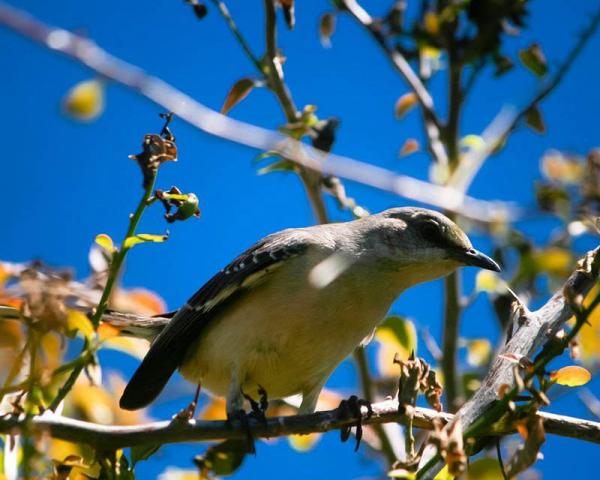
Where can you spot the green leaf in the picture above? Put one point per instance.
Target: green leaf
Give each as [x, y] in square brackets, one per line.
[534, 60]
[282, 165]
[238, 92]
[326, 29]
[223, 458]
[535, 120]
[144, 238]
[142, 452]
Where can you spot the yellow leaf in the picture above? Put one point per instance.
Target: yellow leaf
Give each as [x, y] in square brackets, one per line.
[554, 260]
[487, 281]
[395, 336]
[404, 104]
[474, 142]
[589, 337]
[238, 92]
[571, 376]
[432, 23]
[402, 474]
[105, 242]
[214, 410]
[478, 351]
[85, 101]
[135, 347]
[144, 238]
[79, 322]
[484, 469]
[304, 443]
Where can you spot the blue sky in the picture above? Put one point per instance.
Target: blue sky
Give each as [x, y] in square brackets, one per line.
[64, 182]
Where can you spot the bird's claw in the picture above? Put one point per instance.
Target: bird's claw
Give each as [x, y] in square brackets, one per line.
[259, 408]
[242, 417]
[351, 408]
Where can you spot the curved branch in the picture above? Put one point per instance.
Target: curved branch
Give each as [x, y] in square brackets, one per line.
[85, 51]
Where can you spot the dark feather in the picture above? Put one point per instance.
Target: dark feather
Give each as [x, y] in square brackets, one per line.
[169, 349]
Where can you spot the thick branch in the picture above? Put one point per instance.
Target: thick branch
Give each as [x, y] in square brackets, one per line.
[534, 330]
[115, 437]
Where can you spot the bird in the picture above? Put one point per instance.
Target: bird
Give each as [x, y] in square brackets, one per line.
[285, 313]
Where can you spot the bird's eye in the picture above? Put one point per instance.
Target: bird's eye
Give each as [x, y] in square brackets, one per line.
[431, 231]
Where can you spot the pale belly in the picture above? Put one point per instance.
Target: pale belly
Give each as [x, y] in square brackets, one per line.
[284, 345]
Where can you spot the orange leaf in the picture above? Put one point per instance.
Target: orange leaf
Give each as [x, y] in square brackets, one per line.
[404, 104]
[571, 376]
[410, 146]
[238, 92]
[106, 331]
[138, 300]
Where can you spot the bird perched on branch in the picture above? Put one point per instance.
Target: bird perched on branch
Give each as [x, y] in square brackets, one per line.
[287, 311]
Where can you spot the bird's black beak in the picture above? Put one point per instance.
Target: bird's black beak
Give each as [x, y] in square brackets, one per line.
[477, 259]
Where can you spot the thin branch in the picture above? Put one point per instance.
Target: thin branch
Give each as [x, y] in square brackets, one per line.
[165, 432]
[366, 384]
[224, 11]
[432, 123]
[472, 163]
[452, 311]
[189, 110]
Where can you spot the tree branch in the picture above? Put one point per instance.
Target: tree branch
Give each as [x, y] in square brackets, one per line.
[198, 115]
[164, 432]
[533, 330]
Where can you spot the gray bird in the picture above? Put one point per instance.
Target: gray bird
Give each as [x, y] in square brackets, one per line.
[288, 310]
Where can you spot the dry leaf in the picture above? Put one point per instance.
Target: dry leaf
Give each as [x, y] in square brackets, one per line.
[238, 92]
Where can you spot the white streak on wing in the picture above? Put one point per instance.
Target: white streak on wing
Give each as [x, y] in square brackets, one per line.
[249, 281]
[329, 269]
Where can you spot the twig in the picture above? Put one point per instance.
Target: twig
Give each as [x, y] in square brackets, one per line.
[366, 384]
[311, 178]
[116, 437]
[87, 353]
[433, 125]
[189, 110]
[224, 11]
[452, 311]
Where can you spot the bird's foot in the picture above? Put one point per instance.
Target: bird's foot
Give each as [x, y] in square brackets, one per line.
[259, 408]
[186, 413]
[351, 408]
[243, 418]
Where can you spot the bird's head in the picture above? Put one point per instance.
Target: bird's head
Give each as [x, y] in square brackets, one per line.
[422, 244]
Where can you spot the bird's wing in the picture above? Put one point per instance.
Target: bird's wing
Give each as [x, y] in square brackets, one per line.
[170, 347]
